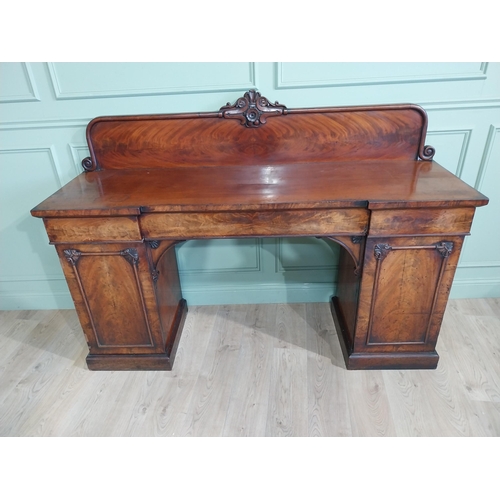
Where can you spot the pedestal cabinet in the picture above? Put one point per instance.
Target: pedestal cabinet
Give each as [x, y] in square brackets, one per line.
[127, 305]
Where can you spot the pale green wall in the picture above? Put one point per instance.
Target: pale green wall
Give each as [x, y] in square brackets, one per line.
[44, 109]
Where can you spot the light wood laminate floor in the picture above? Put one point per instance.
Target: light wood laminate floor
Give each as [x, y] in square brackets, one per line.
[249, 370]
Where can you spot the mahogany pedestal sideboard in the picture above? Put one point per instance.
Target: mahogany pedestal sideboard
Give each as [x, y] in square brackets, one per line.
[360, 176]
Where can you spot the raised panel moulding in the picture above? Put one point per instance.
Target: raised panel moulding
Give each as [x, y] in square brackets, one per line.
[493, 134]
[279, 258]
[34, 124]
[479, 73]
[27, 173]
[255, 266]
[490, 142]
[50, 151]
[32, 92]
[466, 133]
[78, 152]
[486, 103]
[63, 90]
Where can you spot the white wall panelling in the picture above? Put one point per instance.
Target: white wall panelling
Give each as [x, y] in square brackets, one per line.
[78, 153]
[30, 272]
[480, 262]
[17, 83]
[305, 254]
[434, 85]
[451, 148]
[308, 75]
[219, 256]
[45, 107]
[90, 80]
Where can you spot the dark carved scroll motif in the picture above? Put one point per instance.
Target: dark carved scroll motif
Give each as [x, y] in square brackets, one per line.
[445, 248]
[72, 255]
[252, 109]
[88, 164]
[131, 255]
[427, 153]
[381, 250]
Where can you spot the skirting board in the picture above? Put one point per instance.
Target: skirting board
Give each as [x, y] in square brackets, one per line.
[239, 294]
[475, 289]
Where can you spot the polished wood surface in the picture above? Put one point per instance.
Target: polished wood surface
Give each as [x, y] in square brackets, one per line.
[88, 229]
[249, 370]
[370, 184]
[362, 177]
[239, 223]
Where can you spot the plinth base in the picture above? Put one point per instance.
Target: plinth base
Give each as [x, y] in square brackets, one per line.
[381, 360]
[132, 362]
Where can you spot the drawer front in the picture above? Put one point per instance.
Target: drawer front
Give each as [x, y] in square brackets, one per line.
[92, 229]
[421, 221]
[245, 223]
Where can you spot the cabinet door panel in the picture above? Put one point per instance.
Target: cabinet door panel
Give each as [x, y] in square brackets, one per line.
[407, 282]
[113, 293]
[402, 305]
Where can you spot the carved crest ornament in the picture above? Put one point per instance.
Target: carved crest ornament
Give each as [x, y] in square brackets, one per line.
[252, 109]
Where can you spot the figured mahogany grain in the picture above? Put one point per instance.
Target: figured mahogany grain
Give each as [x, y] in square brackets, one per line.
[114, 297]
[392, 132]
[89, 229]
[256, 223]
[421, 221]
[403, 294]
[169, 296]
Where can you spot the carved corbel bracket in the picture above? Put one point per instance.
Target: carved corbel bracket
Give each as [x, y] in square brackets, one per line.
[381, 250]
[445, 248]
[131, 254]
[354, 247]
[72, 255]
[252, 109]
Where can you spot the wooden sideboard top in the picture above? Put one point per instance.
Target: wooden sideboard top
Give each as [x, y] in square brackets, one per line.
[370, 184]
[256, 155]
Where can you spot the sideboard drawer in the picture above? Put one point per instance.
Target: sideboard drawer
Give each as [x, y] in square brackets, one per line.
[92, 229]
[421, 221]
[259, 223]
